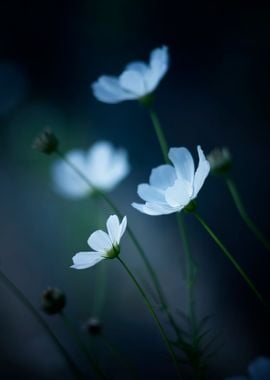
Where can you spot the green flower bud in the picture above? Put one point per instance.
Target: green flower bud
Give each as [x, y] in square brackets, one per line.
[94, 326]
[53, 301]
[220, 160]
[46, 142]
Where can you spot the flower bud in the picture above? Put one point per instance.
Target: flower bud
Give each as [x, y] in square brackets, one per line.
[46, 142]
[53, 301]
[220, 160]
[94, 326]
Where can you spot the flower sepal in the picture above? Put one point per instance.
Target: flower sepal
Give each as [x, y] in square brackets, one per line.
[191, 206]
[147, 100]
[113, 252]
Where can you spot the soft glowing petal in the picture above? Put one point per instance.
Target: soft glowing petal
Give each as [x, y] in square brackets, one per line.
[100, 241]
[132, 81]
[138, 66]
[84, 260]
[183, 163]
[260, 369]
[122, 228]
[108, 90]
[150, 194]
[153, 208]
[159, 63]
[113, 228]
[179, 194]
[162, 177]
[106, 165]
[66, 180]
[201, 172]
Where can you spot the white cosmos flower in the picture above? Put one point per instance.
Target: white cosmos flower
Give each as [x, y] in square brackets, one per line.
[172, 188]
[105, 245]
[102, 164]
[137, 80]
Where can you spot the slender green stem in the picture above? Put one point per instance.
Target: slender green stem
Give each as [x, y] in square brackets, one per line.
[236, 265]
[28, 305]
[160, 135]
[82, 346]
[154, 315]
[190, 277]
[190, 266]
[135, 241]
[244, 215]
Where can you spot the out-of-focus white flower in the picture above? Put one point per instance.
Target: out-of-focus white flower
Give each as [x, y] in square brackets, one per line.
[259, 369]
[137, 80]
[102, 164]
[105, 245]
[172, 188]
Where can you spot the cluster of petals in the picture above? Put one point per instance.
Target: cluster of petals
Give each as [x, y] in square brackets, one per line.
[102, 164]
[173, 187]
[106, 245]
[137, 80]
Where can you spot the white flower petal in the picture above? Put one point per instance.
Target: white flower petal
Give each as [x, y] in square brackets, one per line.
[108, 90]
[100, 241]
[201, 172]
[141, 67]
[132, 81]
[183, 163]
[162, 177]
[150, 194]
[106, 166]
[113, 228]
[66, 180]
[153, 208]
[122, 228]
[159, 63]
[179, 195]
[84, 260]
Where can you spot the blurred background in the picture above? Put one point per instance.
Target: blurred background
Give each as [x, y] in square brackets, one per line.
[216, 93]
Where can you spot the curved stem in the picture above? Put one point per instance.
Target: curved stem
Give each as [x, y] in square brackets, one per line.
[190, 266]
[153, 314]
[160, 135]
[82, 346]
[234, 262]
[28, 305]
[135, 241]
[244, 215]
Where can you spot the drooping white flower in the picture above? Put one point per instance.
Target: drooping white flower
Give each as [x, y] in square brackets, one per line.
[105, 245]
[259, 369]
[172, 188]
[137, 80]
[102, 164]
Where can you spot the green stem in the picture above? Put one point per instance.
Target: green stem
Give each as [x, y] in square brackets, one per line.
[236, 265]
[135, 241]
[190, 267]
[154, 315]
[77, 373]
[160, 135]
[244, 215]
[190, 277]
[82, 346]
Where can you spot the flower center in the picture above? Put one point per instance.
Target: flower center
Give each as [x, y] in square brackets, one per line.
[113, 252]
